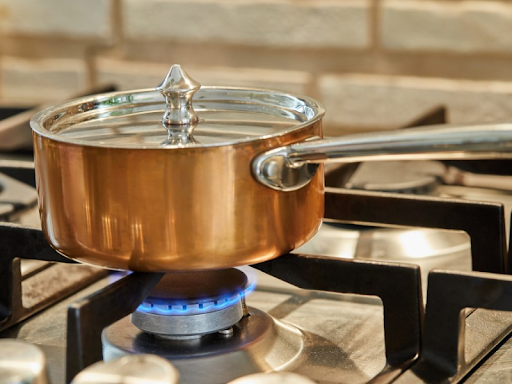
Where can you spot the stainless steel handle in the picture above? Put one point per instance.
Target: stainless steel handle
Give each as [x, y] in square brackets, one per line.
[291, 167]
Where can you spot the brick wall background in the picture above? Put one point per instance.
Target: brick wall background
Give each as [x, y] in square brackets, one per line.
[375, 64]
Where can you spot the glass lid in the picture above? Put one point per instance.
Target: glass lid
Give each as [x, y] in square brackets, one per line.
[165, 117]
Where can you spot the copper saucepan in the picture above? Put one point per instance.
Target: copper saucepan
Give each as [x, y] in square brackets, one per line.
[118, 190]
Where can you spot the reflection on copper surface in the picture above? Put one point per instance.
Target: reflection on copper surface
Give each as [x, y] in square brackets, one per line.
[107, 230]
[164, 209]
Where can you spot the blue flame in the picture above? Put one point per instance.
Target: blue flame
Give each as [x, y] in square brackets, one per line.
[162, 309]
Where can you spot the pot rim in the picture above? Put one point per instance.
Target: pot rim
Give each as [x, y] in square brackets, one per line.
[42, 121]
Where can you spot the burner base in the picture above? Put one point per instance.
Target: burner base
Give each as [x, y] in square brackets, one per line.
[259, 343]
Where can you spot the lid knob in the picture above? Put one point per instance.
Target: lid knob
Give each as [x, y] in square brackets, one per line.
[178, 89]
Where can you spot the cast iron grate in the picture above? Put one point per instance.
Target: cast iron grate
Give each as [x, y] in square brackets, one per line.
[397, 285]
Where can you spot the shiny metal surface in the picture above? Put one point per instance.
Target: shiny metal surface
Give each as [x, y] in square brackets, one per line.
[349, 329]
[338, 326]
[431, 178]
[132, 119]
[116, 191]
[273, 378]
[192, 304]
[15, 134]
[396, 244]
[273, 169]
[188, 325]
[258, 343]
[319, 336]
[428, 248]
[133, 369]
[168, 210]
[21, 363]
[284, 168]
[178, 89]
[408, 177]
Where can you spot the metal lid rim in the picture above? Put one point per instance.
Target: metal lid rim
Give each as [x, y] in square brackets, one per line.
[45, 114]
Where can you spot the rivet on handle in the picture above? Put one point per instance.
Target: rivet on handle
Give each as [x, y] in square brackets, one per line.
[178, 89]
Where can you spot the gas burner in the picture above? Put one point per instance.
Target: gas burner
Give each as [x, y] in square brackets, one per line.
[199, 319]
[430, 178]
[397, 244]
[187, 305]
[413, 177]
[259, 343]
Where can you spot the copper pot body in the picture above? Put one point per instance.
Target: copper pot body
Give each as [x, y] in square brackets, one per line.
[171, 209]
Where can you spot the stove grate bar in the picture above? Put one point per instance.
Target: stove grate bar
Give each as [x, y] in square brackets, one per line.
[21, 296]
[483, 222]
[20, 170]
[455, 342]
[89, 316]
[398, 286]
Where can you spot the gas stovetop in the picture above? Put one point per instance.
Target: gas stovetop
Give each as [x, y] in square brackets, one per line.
[348, 307]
